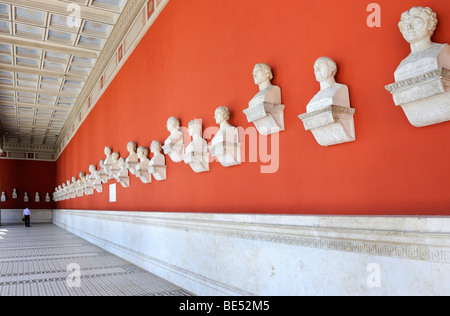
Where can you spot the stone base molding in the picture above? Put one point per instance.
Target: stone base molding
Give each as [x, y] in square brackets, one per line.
[230, 254]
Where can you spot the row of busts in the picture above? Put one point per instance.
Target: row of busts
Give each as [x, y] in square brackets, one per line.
[225, 146]
[14, 195]
[422, 89]
[329, 115]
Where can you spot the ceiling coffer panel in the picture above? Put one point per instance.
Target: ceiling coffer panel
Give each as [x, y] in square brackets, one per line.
[46, 58]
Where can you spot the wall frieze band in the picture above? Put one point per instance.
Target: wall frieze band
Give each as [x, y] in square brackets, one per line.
[431, 247]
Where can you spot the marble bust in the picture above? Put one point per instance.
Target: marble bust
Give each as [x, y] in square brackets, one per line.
[265, 110]
[25, 198]
[47, 197]
[174, 144]
[142, 168]
[108, 160]
[329, 115]
[95, 179]
[82, 184]
[421, 80]
[79, 188]
[196, 154]
[102, 173]
[225, 145]
[3, 198]
[122, 175]
[72, 188]
[14, 194]
[37, 198]
[114, 171]
[64, 192]
[132, 161]
[157, 165]
[87, 184]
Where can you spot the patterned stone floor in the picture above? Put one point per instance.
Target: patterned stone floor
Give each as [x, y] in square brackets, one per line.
[45, 260]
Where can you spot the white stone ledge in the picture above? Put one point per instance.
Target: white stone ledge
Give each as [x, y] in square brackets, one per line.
[214, 254]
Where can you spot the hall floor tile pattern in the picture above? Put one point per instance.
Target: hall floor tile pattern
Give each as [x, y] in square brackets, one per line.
[34, 262]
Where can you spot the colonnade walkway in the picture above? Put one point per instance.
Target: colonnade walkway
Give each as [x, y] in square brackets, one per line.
[45, 260]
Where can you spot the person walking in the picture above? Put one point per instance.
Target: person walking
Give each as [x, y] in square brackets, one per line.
[27, 216]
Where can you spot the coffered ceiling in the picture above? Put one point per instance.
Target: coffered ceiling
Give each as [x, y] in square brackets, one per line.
[48, 49]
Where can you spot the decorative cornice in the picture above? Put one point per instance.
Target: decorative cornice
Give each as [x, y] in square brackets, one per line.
[441, 73]
[422, 246]
[332, 108]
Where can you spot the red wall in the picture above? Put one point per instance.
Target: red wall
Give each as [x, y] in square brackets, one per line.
[200, 54]
[27, 176]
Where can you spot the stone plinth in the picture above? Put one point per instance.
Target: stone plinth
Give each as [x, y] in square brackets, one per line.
[268, 118]
[425, 99]
[331, 125]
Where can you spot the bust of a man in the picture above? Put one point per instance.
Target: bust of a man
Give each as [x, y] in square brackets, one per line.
[132, 159]
[158, 158]
[174, 144]
[142, 168]
[95, 178]
[103, 171]
[329, 115]
[158, 162]
[114, 165]
[196, 154]
[417, 27]
[108, 160]
[331, 92]
[265, 109]
[122, 176]
[268, 93]
[225, 145]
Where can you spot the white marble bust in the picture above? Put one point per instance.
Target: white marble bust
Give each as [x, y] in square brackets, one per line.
[47, 197]
[103, 172]
[87, 184]
[329, 116]
[82, 184]
[268, 93]
[417, 27]
[421, 80]
[72, 188]
[132, 160]
[14, 194]
[196, 154]
[157, 165]
[64, 194]
[331, 92]
[26, 198]
[37, 198]
[142, 171]
[114, 165]
[174, 144]
[122, 176]
[108, 160]
[95, 178]
[265, 109]
[3, 198]
[225, 145]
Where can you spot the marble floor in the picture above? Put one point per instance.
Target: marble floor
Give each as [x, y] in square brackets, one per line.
[45, 260]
